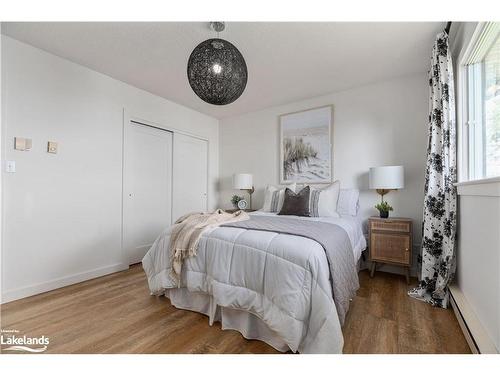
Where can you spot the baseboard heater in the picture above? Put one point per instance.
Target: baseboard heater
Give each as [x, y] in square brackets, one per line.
[475, 335]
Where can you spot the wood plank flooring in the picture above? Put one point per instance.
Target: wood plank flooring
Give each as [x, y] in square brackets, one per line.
[383, 319]
[116, 314]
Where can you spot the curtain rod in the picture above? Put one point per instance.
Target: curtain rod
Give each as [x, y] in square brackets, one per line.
[447, 28]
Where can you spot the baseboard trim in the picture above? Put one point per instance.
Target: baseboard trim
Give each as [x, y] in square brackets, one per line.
[463, 326]
[474, 332]
[31, 290]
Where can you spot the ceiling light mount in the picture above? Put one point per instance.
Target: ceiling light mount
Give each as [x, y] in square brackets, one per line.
[217, 26]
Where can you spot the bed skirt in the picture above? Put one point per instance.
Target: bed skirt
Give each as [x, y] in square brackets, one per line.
[249, 325]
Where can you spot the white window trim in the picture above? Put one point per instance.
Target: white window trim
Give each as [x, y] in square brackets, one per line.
[462, 107]
[486, 187]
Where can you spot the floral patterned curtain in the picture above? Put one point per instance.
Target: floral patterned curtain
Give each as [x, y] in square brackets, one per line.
[440, 202]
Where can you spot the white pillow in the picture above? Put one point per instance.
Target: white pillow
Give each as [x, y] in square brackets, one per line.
[348, 202]
[274, 197]
[323, 202]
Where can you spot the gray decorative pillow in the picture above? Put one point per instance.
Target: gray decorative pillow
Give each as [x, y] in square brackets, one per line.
[296, 203]
[274, 196]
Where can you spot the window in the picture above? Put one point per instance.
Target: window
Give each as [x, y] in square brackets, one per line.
[483, 104]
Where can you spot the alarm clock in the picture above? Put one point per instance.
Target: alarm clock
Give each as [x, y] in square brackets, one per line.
[242, 204]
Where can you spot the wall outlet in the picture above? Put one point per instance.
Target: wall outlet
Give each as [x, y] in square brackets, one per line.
[10, 166]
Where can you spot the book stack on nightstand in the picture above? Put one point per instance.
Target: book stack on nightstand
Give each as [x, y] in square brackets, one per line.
[390, 242]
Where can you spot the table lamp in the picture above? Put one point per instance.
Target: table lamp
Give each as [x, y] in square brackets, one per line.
[385, 179]
[244, 181]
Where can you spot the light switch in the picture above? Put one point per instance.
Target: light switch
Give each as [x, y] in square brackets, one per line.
[52, 147]
[19, 144]
[10, 166]
[22, 144]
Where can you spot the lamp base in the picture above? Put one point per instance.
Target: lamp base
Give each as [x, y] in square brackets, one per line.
[250, 192]
[382, 192]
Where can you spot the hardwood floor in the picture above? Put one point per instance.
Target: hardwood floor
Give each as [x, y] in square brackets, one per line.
[383, 319]
[116, 314]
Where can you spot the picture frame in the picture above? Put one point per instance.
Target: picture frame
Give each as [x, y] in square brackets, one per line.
[306, 146]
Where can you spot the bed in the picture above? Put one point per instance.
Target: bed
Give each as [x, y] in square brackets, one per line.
[271, 286]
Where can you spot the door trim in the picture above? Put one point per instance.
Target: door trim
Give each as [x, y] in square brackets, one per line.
[127, 117]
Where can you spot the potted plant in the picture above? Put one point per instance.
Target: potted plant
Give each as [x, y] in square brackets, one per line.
[384, 208]
[235, 199]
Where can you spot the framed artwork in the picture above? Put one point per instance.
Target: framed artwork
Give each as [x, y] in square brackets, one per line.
[306, 146]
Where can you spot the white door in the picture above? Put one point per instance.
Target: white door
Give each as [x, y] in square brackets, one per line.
[147, 188]
[190, 175]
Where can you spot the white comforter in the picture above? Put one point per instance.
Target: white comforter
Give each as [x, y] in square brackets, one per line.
[281, 279]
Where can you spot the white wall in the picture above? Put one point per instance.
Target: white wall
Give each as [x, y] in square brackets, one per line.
[477, 279]
[379, 124]
[478, 259]
[62, 213]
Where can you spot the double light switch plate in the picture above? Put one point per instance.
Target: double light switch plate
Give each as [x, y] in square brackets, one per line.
[22, 144]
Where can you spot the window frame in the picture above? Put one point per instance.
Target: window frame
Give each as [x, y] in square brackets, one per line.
[468, 163]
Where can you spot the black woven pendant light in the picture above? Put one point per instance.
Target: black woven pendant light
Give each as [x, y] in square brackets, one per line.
[216, 70]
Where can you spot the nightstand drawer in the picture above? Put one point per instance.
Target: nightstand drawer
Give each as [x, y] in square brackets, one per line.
[391, 248]
[390, 225]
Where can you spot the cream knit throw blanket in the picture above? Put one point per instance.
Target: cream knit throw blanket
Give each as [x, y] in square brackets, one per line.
[187, 231]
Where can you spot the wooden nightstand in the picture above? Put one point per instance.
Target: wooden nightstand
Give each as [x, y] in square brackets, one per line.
[390, 241]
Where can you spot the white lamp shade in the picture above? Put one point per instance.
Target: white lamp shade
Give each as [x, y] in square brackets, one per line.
[391, 177]
[242, 181]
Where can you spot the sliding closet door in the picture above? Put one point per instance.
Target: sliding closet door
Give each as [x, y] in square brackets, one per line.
[147, 188]
[190, 175]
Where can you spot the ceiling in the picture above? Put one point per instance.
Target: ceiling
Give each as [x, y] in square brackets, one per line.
[287, 61]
